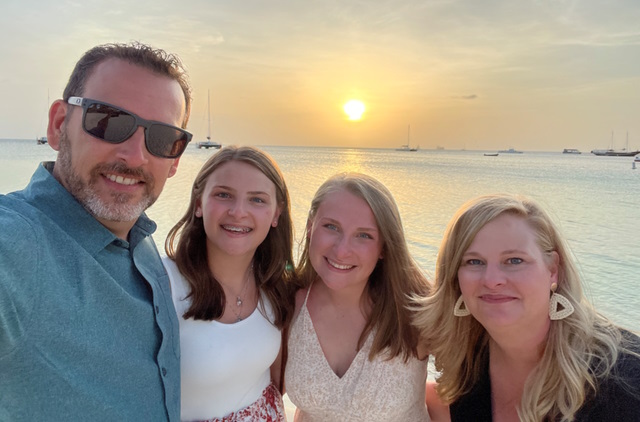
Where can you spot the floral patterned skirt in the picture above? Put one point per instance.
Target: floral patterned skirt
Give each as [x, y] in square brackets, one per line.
[268, 408]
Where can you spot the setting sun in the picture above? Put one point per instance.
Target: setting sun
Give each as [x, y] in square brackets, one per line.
[354, 109]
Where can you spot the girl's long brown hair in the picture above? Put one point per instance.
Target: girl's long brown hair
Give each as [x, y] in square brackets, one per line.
[186, 244]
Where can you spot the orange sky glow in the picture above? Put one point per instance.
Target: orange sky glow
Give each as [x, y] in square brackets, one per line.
[534, 75]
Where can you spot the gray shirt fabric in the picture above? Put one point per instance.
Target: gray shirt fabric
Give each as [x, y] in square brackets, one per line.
[87, 326]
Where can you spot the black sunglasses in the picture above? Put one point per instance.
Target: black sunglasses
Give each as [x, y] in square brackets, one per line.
[115, 125]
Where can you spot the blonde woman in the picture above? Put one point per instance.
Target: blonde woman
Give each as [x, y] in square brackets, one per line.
[516, 338]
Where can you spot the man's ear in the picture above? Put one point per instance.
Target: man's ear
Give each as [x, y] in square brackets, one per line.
[174, 167]
[57, 116]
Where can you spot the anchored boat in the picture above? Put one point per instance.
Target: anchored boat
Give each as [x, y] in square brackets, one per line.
[209, 143]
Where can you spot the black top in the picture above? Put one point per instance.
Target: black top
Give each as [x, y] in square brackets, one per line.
[617, 397]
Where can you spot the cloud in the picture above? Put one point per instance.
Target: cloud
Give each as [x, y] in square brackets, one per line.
[465, 97]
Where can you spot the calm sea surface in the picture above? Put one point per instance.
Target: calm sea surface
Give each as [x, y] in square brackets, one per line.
[596, 200]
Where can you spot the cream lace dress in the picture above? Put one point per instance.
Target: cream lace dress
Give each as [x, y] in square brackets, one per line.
[379, 390]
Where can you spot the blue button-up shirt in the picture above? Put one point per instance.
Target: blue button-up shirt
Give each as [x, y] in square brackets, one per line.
[87, 325]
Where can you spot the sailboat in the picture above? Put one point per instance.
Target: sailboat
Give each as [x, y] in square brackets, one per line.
[41, 140]
[624, 152]
[209, 143]
[407, 147]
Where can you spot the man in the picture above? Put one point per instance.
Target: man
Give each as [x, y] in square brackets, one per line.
[87, 326]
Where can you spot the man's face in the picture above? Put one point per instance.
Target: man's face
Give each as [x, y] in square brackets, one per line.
[117, 182]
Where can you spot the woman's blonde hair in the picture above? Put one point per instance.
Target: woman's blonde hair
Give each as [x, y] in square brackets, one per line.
[580, 349]
[394, 278]
[186, 244]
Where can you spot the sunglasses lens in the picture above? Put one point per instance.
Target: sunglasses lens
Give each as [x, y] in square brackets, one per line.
[108, 123]
[166, 141]
[115, 126]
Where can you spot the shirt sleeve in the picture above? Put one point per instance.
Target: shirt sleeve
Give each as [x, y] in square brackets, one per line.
[618, 396]
[625, 397]
[18, 278]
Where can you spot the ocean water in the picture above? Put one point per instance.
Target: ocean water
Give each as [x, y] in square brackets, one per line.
[595, 200]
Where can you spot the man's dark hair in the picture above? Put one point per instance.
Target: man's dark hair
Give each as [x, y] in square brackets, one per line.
[154, 59]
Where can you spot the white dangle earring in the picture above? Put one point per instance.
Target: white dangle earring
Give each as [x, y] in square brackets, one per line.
[555, 302]
[460, 310]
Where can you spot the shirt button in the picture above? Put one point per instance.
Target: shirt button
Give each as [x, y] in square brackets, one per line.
[164, 372]
[157, 309]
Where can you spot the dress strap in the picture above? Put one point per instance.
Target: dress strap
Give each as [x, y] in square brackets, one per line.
[307, 295]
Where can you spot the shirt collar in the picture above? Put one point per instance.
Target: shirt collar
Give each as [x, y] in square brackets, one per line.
[55, 201]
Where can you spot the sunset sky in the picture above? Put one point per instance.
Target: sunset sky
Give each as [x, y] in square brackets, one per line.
[476, 74]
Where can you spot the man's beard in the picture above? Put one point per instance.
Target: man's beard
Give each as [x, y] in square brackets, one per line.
[121, 206]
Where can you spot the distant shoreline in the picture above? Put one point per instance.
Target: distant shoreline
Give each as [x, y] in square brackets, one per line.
[425, 150]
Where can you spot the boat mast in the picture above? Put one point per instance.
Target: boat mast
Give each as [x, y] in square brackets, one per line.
[209, 114]
[611, 143]
[409, 135]
[627, 146]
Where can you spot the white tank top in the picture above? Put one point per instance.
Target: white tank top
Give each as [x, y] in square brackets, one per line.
[223, 367]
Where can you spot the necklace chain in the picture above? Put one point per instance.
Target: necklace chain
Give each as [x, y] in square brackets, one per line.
[237, 311]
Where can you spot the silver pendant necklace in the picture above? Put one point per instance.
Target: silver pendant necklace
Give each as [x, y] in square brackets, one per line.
[239, 298]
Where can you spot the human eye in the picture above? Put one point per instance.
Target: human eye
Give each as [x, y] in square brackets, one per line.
[258, 200]
[330, 226]
[364, 236]
[222, 195]
[473, 262]
[514, 261]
